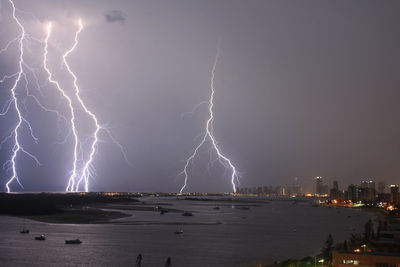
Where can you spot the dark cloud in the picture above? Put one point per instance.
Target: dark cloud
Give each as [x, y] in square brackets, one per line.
[115, 16]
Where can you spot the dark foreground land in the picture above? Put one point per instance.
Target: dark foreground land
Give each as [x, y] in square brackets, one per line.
[78, 208]
[63, 208]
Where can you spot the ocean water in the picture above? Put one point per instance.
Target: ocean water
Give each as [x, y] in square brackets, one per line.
[231, 236]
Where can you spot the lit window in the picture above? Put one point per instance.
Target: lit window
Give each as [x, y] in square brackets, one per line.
[353, 262]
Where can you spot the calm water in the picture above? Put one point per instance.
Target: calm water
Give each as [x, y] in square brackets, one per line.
[266, 232]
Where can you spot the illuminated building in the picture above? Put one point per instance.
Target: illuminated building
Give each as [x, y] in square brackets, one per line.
[352, 193]
[296, 188]
[335, 193]
[394, 194]
[320, 188]
[365, 259]
[317, 185]
[367, 191]
[383, 251]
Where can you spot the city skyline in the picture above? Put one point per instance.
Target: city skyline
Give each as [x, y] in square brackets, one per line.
[315, 186]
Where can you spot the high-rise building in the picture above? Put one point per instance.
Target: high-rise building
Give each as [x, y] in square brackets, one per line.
[368, 184]
[318, 185]
[381, 187]
[367, 191]
[336, 185]
[335, 193]
[352, 193]
[281, 190]
[394, 194]
[296, 189]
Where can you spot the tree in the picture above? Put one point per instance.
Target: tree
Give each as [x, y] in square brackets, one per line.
[355, 240]
[327, 250]
[368, 231]
[385, 226]
[380, 227]
[345, 247]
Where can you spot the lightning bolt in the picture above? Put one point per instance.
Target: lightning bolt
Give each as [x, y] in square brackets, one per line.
[70, 105]
[87, 170]
[11, 163]
[83, 174]
[224, 160]
[82, 165]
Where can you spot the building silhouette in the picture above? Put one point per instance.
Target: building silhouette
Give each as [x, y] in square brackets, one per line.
[394, 194]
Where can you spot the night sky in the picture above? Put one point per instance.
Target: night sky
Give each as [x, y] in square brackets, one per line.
[303, 88]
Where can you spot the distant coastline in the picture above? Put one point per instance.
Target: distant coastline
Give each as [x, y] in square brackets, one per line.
[62, 208]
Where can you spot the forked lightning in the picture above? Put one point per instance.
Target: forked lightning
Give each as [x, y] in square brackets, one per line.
[225, 161]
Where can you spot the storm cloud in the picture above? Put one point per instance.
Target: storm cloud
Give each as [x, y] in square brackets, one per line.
[115, 16]
[302, 88]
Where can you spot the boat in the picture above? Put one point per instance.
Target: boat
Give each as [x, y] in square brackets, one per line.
[41, 237]
[216, 208]
[180, 231]
[73, 241]
[24, 231]
[187, 214]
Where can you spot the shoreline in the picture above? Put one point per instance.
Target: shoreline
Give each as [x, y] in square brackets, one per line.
[85, 215]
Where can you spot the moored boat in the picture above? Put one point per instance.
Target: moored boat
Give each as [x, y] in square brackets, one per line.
[24, 229]
[180, 231]
[41, 237]
[73, 241]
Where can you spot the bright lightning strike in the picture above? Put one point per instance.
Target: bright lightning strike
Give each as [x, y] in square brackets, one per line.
[70, 105]
[82, 169]
[79, 174]
[209, 134]
[86, 172]
[11, 163]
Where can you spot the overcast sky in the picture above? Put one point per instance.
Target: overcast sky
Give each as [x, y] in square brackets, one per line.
[303, 88]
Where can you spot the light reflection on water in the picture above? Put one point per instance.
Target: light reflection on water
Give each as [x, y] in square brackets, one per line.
[266, 232]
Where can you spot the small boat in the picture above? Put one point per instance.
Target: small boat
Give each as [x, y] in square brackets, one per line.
[41, 237]
[24, 231]
[180, 231]
[188, 214]
[216, 208]
[73, 241]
